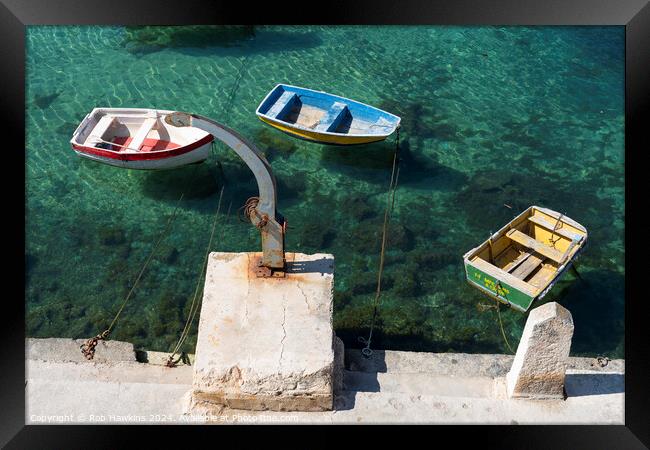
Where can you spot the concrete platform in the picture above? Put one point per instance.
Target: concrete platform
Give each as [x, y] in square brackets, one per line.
[391, 387]
[265, 343]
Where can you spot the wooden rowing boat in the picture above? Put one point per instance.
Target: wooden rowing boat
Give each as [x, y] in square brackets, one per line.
[324, 118]
[523, 260]
[135, 138]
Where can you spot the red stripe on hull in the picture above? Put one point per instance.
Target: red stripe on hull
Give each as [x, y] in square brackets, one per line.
[145, 155]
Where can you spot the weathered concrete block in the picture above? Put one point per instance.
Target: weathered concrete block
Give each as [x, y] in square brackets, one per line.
[266, 343]
[62, 349]
[540, 363]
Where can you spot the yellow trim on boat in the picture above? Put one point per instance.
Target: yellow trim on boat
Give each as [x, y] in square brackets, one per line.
[324, 138]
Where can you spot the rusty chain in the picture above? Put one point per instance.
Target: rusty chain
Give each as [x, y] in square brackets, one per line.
[88, 348]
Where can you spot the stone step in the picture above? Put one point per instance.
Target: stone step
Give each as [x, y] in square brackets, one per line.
[450, 364]
[108, 372]
[80, 402]
[423, 384]
[379, 407]
[435, 364]
[61, 349]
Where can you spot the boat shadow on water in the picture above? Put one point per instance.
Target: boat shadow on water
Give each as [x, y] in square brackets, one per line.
[194, 182]
[230, 40]
[376, 160]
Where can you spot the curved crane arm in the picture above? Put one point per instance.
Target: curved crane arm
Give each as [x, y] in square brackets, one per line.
[263, 214]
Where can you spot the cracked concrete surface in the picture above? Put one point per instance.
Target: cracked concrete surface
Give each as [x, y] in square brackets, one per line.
[277, 332]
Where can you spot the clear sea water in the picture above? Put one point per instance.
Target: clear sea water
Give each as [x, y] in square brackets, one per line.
[492, 116]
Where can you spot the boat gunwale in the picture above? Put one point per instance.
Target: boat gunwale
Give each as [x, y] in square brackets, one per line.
[300, 127]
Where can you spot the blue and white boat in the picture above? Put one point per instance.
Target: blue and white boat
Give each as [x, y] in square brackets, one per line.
[325, 118]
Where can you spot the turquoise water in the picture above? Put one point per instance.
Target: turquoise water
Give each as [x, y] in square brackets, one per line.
[491, 117]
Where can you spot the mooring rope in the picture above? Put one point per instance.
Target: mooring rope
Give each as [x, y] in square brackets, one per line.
[235, 88]
[392, 187]
[194, 307]
[498, 308]
[556, 227]
[228, 106]
[88, 348]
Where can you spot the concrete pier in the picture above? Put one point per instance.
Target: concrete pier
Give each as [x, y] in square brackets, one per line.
[265, 343]
[538, 370]
[390, 387]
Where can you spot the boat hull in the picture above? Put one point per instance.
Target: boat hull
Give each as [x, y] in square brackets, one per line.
[321, 138]
[502, 291]
[196, 155]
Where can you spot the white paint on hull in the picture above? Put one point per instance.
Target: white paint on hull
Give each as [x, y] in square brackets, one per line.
[195, 156]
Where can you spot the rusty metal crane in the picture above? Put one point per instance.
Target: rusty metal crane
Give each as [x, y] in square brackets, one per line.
[260, 210]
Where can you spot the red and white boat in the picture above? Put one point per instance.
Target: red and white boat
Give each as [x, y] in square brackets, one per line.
[136, 138]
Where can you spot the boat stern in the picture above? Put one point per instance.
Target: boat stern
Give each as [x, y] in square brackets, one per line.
[496, 289]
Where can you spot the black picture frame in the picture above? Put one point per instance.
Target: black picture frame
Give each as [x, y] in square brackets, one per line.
[15, 15]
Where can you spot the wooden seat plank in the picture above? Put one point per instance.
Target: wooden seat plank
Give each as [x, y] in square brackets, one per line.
[521, 258]
[100, 129]
[550, 227]
[526, 268]
[141, 135]
[534, 245]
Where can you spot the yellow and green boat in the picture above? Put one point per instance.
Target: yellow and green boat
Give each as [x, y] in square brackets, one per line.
[523, 260]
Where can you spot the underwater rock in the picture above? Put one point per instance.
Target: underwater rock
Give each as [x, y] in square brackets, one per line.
[434, 258]
[52, 287]
[354, 321]
[129, 330]
[43, 101]
[342, 299]
[400, 236]
[359, 264]
[357, 208]
[114, 269]
[395, 258]
[31, 260]
[398, 320]
[314, 234]
[490, 181]
[171, 255]
[406, 283]
[291, 187]
[112, 236]
[34, 322]
[274, 144]
[365, 240]
[366, 283]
